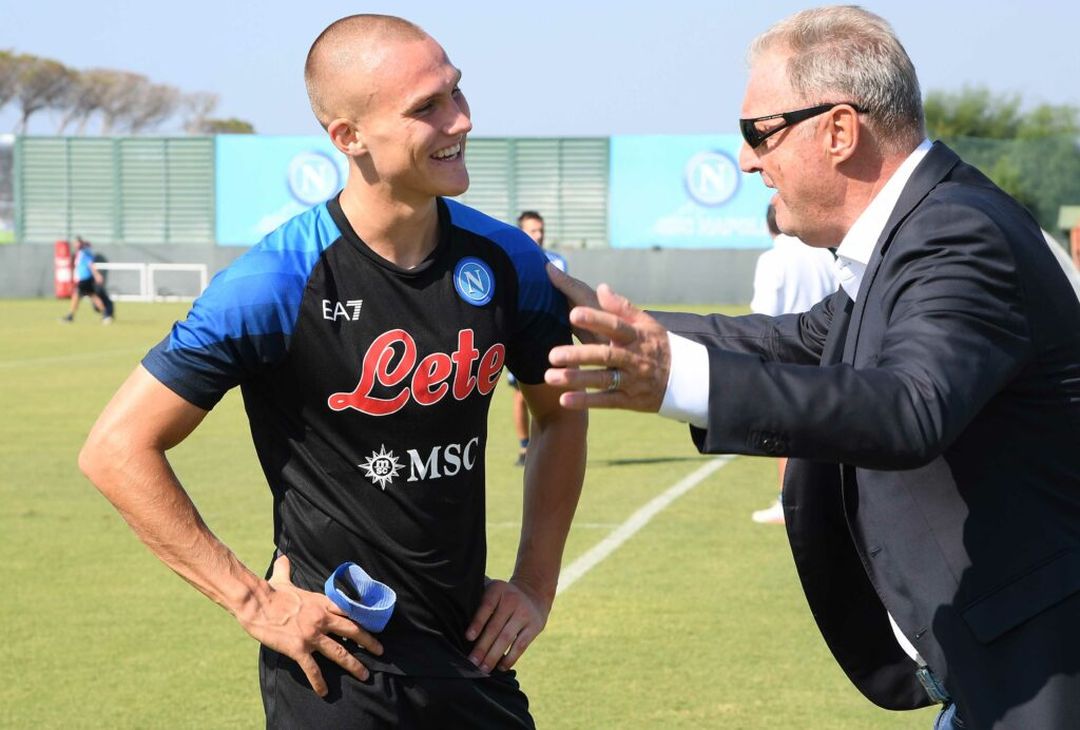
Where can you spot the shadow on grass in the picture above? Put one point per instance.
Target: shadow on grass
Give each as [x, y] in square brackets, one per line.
[649, 460]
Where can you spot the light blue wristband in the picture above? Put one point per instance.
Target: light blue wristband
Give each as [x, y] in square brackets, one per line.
[376, 600]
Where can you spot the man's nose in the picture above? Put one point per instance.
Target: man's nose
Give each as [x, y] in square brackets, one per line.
[748, 158]
[462, 123]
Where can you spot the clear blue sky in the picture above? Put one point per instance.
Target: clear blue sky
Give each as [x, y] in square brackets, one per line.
[553, 67]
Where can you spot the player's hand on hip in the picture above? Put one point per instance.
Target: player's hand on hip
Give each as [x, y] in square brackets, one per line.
[631, 369]
[510, 616]
[299, 624]
[578, 294]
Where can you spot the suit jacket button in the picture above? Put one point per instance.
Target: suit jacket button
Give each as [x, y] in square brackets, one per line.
[772, 445]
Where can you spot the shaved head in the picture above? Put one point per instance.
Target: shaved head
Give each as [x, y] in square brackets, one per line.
[348, 47]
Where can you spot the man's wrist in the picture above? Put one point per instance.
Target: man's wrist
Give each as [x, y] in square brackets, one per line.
[685, 398]
[541, 592]
[244, 596]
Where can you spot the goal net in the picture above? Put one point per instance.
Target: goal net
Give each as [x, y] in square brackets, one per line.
[142, 282]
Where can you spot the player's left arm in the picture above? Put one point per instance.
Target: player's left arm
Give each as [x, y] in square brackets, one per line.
[512, 613]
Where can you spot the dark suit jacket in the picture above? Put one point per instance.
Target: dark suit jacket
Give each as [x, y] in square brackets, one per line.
[935, 430]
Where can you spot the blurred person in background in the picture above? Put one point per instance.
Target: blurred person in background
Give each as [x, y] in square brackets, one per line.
[789, 278]
[89, 282]
[532, 223]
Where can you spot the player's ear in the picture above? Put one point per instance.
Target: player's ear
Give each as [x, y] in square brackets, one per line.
[347, 137]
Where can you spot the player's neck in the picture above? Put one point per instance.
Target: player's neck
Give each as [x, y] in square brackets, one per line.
[402, 233]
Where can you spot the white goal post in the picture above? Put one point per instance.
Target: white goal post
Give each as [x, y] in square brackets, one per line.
[147, 286]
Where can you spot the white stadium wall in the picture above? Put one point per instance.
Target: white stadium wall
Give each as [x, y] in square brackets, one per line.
[665, 219]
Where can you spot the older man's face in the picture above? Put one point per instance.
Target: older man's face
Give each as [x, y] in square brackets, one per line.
[792, 161]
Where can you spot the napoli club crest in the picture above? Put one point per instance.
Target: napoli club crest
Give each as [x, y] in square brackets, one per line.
[474, 281]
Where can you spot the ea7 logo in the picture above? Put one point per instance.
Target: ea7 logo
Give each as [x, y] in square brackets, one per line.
[336, 310]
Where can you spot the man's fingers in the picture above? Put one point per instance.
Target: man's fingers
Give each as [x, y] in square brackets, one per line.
[521, 643]
[577, 400]
[582, 297]
[577, 292]
[607, 324]
[282, 570]
[512, 622]
[490, 647]
[617, 304]
[339, 655]
[483, 613]
[628, 397]
[339, 625]
[576, 379]
[503, 641]
[311, 671]
[602, 355]
[508, 632]
[490, 616]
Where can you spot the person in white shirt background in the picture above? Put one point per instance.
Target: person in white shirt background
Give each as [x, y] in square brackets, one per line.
[789, 278]
[532, 223]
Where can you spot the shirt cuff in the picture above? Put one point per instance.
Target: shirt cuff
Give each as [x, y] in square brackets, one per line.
[687, 395]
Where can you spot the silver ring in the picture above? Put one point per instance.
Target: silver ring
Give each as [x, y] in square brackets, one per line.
[616, 378]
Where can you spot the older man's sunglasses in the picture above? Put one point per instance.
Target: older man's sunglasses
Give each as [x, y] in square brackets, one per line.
[755, 136]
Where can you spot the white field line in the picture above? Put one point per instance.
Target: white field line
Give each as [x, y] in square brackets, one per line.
[74, 357]
[595, 555]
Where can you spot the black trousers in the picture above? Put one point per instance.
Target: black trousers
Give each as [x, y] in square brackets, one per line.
[387, 700]
[105, 300]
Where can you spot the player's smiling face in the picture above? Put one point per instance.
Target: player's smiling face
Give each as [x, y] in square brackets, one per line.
[416, 122]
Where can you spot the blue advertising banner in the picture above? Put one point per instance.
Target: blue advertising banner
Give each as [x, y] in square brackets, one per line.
[264, 181]
[684, 192]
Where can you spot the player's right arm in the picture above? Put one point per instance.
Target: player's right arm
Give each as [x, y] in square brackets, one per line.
[124, 456]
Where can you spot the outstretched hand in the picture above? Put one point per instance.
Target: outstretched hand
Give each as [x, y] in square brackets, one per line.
[299, 623]
[509, 617]
[633, 364]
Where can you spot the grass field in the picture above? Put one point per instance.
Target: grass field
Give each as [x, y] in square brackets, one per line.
[695, 622]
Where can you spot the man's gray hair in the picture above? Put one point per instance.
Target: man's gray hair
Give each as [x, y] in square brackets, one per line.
[843, 53]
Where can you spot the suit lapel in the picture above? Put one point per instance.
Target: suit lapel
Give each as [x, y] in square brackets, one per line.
[939, 161]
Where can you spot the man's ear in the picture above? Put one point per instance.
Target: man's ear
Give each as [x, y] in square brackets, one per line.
[842, 137]
[346, 136]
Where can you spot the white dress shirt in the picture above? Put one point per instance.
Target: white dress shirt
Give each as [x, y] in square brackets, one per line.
[853, 253]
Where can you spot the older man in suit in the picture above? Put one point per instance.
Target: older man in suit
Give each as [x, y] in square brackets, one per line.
[931, 407]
